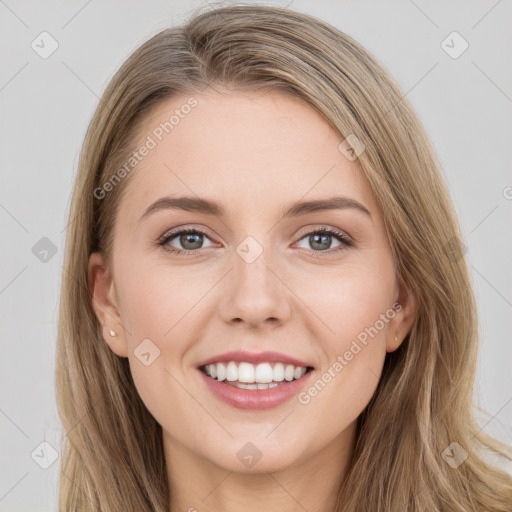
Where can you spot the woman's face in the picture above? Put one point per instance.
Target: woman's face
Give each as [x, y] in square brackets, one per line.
[259, 276]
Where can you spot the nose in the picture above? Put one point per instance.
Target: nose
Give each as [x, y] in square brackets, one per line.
[255, 293]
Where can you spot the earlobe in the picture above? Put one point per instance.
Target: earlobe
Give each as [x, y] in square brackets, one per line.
[105, 305]
[405, 314]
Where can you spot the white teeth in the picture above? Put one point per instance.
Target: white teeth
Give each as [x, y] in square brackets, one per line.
[297, 373]
[264, 373]
[221, 371]
[246, 372]
[254, 386]
[249, 376]
[288, 372]
[278, 372]
[232, 371]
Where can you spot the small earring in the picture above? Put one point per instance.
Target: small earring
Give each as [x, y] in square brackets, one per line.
[112, 333]
[396, 339]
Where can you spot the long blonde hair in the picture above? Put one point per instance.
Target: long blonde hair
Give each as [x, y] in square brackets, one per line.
[423, 402]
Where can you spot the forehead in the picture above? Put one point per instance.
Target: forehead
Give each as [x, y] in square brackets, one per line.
[251, 149]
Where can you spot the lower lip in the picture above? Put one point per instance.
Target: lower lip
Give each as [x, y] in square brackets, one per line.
[255, 399]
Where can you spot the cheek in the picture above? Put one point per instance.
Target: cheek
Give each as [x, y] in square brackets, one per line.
[356, 304]
[158, 301]
[160, 307]
[350, 300]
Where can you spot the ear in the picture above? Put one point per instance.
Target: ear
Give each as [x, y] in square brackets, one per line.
[105, 305]
[405, 308]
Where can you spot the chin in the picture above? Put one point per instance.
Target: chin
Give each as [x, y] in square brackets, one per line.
[254, 457]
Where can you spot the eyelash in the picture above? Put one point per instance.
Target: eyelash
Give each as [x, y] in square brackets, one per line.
[346, 242]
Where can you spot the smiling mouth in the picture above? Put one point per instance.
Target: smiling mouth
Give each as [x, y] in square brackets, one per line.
[245, 375]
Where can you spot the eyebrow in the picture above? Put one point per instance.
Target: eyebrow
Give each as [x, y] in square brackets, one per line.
[296, 209]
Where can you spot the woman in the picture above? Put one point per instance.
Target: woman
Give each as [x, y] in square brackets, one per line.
[265, 303]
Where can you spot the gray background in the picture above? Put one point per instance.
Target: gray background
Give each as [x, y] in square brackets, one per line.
[465, 104]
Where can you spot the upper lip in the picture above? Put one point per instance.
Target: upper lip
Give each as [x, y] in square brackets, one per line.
[254, 358]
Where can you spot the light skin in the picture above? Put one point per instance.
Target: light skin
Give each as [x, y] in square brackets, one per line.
[254, 153]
